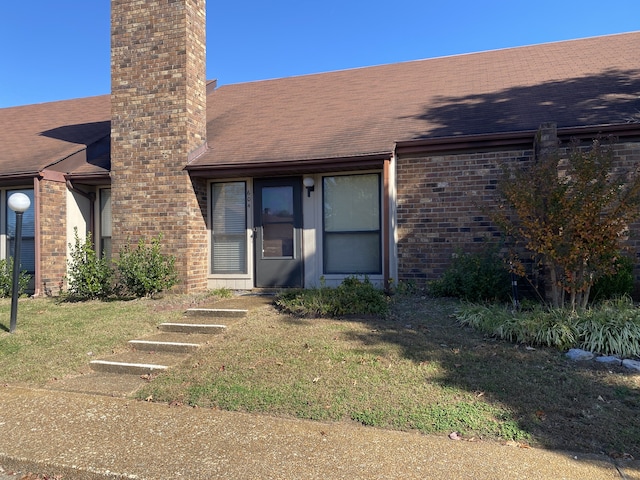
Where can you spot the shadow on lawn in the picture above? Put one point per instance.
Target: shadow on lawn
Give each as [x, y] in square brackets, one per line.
[574, 406]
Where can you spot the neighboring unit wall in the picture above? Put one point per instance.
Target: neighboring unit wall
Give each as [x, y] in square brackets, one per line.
[442, 206]
[52, 214]
[628, 153]
[158, 125]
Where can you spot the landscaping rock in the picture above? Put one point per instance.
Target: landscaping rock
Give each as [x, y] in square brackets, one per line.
[609, 359]
[632, 364]
[579, 355]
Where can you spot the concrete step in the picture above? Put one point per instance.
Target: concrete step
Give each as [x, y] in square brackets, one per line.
[171, 342]
[216, 312]
[192, 327]
[137, 363]
[160, 346]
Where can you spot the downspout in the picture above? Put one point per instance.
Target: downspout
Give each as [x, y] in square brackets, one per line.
[91, 196]
[386, 244]
[37, 235]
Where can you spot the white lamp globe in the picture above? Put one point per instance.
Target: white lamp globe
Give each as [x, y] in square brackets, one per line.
[19, 202]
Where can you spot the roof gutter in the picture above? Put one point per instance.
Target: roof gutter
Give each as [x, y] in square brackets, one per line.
[20, 178]
[290, 167]
[522, 138]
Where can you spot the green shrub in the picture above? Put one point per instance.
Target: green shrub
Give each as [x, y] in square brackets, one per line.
[143, 271]
[6, 279]
[352, 297]
[609, 328]
[615, 285]
[474, 277]
[88, 277]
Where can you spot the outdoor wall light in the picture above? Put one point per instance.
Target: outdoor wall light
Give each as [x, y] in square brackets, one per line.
[19, 203]
[309, 185]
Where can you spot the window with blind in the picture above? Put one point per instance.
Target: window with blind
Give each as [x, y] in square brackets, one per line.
[351, 224]
[28, 245]
[228, 228]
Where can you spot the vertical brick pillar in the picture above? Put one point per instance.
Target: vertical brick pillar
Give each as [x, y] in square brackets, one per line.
[52, 216]
[158, 122]
[546, 140]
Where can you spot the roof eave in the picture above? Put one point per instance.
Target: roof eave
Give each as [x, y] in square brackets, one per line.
[96, 178]
[290, 167]
[18, 178]
[517, 139]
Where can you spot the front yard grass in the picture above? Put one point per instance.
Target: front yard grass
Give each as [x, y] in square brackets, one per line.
[54, 339]
[417, 369]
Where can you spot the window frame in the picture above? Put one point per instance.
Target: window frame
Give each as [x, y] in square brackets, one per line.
[378, 232]
[248, 261]
[5, 249]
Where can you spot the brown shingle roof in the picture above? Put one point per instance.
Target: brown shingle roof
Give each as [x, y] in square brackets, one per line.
[593, 81]
[35, 137]
[360, 112]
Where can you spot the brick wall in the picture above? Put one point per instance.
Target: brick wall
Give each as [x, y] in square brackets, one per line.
[158, 121]
[443, 202]
[441, 205]
[53, 234]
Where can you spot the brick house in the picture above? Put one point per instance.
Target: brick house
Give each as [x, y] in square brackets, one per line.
[383, 171]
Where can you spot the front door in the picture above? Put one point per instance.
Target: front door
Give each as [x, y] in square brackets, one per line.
[278, 239]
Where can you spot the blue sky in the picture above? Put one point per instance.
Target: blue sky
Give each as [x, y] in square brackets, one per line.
[55, 50]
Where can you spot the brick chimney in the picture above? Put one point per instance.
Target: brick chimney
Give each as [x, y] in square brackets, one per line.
[158, 123]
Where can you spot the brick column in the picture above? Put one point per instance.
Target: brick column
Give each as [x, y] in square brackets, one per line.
[546, 140]
[158, 122]
[52, 217]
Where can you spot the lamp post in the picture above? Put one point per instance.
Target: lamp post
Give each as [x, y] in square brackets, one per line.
[19, 203]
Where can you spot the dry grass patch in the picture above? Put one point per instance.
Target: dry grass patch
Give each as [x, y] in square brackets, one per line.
[416, 369]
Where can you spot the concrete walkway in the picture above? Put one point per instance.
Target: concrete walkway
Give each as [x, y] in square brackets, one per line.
[81, 436]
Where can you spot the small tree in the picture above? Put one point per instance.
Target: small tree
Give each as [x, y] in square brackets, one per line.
[573, 213]
[144, 271]
[88, 277]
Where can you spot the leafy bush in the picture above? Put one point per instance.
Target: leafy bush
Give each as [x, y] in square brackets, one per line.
[351, 297]
[568, 208]
[610, 328]
[617, 284]
[613, 328]
[88, 277]
[474, 277]
[6, 279]
[144, 271]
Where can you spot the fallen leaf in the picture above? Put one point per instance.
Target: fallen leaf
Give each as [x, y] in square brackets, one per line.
[513, 443]
[621, 455]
